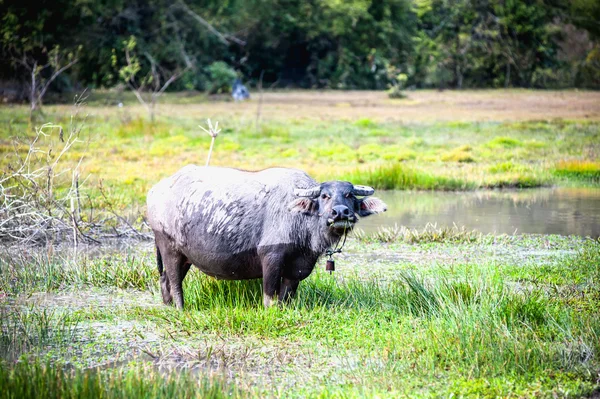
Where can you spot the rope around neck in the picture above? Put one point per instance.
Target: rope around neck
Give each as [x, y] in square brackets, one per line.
[338, 250]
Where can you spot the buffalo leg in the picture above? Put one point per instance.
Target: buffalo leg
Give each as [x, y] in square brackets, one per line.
[288, 289]
[176, 271]
[175, 267]
[272, 265]
[165, 289]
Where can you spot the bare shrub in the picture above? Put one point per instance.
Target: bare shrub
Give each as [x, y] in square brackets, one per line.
[42, 195]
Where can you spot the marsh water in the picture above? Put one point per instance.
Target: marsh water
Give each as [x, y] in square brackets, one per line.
[565, 211]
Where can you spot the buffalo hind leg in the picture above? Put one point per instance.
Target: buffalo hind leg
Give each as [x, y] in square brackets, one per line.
[165, 289]
[176, 268]
[172, 266]
[165, 286]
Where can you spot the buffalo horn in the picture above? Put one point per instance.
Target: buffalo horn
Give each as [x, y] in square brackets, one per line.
[363, 190]
[311, 192]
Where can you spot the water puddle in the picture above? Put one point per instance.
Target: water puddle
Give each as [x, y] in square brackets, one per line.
[564, 211]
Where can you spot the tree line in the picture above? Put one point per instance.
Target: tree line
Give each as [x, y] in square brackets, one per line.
[354, 44]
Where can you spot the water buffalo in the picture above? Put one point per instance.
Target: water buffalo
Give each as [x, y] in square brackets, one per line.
[236, 225]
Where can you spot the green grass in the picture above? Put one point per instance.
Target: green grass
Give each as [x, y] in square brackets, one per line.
[51, 272]
[499, 319]
[25, 330]
[399, 176]
[35, 380]
[578, 170]
[504, 142]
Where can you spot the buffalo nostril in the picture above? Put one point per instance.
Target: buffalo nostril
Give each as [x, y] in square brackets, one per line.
[346, 212]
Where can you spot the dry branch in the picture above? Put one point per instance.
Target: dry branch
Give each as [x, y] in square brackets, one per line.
[38, 206]
[225, 39]
[153, 81]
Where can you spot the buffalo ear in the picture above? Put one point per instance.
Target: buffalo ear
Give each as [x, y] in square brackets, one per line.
[304, 205]
[371, 205]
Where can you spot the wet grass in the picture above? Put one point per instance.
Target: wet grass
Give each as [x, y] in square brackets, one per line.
[36, 380]
[25, 330]
[509, 316]
[51, 272]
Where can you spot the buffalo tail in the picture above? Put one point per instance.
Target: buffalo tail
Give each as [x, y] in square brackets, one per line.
[159, 261]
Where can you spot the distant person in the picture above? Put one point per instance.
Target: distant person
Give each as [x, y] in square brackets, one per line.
[239, 91]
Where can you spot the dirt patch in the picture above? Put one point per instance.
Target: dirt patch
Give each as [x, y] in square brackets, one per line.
[420, 106]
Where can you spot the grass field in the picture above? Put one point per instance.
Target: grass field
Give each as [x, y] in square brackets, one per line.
[432, 140]
[434, 313]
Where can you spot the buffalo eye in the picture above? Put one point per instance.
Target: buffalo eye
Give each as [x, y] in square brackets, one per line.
[325, 196]
[348, 195]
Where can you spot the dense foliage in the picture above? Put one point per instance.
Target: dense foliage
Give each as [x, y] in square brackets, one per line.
[309, 43]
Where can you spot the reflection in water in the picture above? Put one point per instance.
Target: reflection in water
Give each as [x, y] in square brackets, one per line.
[562, 211]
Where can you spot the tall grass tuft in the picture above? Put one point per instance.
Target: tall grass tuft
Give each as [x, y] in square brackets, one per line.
[530, 309]
[26, 330]
[204, 292]
[582, 170]
[27, 272]
[398, 176]
[35, 380]
[406, 295]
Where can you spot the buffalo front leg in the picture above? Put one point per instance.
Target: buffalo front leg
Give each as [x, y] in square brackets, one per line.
[288, 289]
[272, 265]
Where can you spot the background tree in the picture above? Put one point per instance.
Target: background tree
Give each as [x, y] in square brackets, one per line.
[311, 43]
[57, 62]
[154, 81]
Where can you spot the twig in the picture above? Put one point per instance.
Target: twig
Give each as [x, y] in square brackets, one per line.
[53, 77]
[121, 218]
[75, 229]
[212, 132]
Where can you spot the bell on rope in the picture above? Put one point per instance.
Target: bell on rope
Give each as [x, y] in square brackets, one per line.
[330, 265]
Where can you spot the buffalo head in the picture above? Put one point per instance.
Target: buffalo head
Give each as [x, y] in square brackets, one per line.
[337, 204]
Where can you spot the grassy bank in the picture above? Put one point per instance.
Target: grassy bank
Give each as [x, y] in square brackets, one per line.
[417, 315]
[128, 154]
